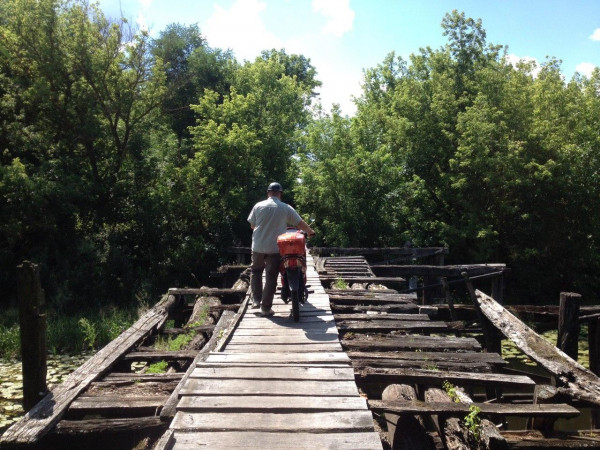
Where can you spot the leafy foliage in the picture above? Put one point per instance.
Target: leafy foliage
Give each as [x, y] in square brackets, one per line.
[127, 164]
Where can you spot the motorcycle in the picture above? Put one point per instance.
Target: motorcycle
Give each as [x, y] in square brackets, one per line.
[292, 249]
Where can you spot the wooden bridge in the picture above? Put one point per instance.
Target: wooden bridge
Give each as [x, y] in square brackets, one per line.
[277, 384]
[367, 366]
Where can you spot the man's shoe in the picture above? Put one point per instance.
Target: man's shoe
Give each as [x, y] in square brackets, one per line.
[255, 305]
[268, 313]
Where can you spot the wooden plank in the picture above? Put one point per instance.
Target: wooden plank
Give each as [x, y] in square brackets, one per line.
[371, 317]
[399, 308]
[281, 339]
[462, 357]
[490, 409]
[315, 422]
[39, 420]
[99, 426]
[160, 355]
[411, 342]
[437, 378]
[287, 325]
[113, 404]
[283, 319]
[273, 373]
[260, 440]
[212, 292]
[572, 378]
[534, 439]
[285, 348]
[436, 271]
[142, 377]
[384, 326]
[314, 333]
[197, 386]
[357, 279]
[310, 357]
[275, 403]
[353, 252]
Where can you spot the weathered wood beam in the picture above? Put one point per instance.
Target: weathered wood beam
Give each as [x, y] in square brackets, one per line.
[204, 291]
[111, 426]
[490, 409]
[410, 342]
[437, 378]
[436, 271]
[111, 405]
[572, 378]
[387, 251]
[48, 412]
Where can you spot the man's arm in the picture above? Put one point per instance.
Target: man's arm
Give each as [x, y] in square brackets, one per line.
[302, 225]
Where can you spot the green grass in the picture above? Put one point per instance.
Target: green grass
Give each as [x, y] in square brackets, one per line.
[87, 330]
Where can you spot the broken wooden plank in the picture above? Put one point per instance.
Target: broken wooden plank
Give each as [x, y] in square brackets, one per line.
[160, 355]
[118, 404]
[39, 420]
[572, 378]
[490, 409]
[110, 426]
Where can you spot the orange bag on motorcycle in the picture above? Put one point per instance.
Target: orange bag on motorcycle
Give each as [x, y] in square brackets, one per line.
[291, 243]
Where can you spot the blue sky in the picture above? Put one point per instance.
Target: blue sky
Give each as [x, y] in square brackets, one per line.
[344, 37]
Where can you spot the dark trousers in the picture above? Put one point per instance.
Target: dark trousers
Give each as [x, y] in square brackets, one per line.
[268, 262]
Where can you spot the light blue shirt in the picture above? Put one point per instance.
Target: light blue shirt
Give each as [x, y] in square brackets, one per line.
[270, 218]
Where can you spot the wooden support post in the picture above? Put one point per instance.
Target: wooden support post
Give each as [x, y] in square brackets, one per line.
[404, 431]
[594, 347]
[544, 394]
[492, 337]
[449, 298]
[498, 288]
[568, 323]
[33, 333]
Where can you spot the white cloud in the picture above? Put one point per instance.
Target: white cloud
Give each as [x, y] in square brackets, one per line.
[141, 20]
[339, 14]
[585, 68]
[595, 36]
[514, 60]
[241, 29]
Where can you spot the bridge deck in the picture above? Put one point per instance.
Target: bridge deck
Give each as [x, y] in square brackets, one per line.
[278, 384]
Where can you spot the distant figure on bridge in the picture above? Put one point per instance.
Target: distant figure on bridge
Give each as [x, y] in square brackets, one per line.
[268, 220]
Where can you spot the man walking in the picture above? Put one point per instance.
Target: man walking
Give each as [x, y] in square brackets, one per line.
[269, 219]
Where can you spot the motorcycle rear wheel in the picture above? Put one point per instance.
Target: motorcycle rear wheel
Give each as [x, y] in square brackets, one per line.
[296, 305]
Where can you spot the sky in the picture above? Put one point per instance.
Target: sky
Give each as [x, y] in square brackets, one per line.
[342, 38]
